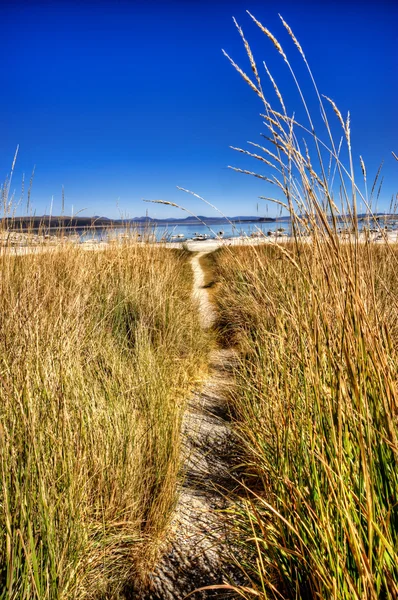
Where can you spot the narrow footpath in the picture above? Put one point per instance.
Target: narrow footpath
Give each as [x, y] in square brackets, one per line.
[197, 553]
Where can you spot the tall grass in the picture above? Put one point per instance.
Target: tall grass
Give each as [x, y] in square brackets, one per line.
[315, 400]
[97, 350]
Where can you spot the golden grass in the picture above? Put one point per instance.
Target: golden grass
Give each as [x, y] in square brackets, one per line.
[97, 352]
[316, 400]
[316, 408]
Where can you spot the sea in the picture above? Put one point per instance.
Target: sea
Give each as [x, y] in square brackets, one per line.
[161, 232]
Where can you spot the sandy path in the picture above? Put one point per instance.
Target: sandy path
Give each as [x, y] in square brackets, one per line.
[206, 310]
[198, 533]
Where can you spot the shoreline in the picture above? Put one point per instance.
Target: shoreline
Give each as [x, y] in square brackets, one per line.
[213, 244]
[27, 245]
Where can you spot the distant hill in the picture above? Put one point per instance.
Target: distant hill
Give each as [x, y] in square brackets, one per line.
[195, 220]
[64, 221]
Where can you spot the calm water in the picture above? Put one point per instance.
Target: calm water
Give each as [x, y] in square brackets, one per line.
[188, 231]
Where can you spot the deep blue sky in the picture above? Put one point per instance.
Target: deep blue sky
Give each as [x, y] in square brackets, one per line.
[120, 101]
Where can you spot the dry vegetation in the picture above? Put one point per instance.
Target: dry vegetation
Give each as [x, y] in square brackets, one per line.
[316, 408]
[315, 402]
[97, 352]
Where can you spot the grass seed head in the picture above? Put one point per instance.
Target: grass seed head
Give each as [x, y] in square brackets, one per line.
[295, 40]
[270, 36]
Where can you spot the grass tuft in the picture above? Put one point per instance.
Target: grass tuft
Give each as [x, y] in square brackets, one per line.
[97, 352]
[315, 401]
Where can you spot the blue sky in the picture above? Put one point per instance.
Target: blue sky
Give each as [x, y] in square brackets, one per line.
[119, 101]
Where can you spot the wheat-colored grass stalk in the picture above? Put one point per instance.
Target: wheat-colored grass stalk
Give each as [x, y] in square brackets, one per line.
[316, 398]
[98, 351]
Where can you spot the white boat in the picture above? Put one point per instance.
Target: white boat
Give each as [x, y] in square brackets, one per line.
[200, 237]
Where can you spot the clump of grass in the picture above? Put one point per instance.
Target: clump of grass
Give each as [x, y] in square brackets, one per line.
[97, 350]
[315, 405]
[316, 390]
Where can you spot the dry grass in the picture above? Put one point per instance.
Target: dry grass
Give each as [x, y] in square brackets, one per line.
[97, 352]
[316, 396]
[316, 407]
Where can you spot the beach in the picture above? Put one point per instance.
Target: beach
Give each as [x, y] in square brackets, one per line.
[26, 243]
